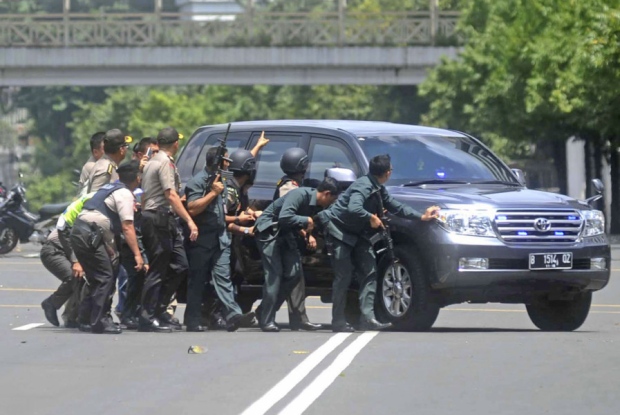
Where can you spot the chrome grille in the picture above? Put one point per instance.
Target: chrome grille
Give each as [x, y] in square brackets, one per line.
[538, 226]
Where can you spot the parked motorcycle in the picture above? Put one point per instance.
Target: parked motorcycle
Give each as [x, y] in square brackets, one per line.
[17, 224]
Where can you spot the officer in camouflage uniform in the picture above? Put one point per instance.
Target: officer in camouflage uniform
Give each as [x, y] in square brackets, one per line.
[349, 222]
[294, 163]
[277, 232]
[209, 255]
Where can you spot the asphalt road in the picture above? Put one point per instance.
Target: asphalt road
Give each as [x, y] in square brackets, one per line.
[478, 359]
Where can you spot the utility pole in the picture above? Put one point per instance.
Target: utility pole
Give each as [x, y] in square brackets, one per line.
[342, 6]
[434, 11]
[66, 9]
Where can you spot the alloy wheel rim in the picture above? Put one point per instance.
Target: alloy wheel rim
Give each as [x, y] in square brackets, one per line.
[397, 290]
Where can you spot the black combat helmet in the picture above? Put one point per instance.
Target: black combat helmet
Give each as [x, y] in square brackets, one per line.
[242, 161]
[294, 160]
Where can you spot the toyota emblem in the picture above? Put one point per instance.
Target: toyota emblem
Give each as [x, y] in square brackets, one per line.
[542, 224]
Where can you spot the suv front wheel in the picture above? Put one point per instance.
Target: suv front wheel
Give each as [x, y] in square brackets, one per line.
[403, 296]
[560, 315]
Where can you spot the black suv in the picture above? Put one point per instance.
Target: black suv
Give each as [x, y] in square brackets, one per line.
[495, 240]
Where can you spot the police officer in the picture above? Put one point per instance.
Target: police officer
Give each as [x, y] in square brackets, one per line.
[56, 260]
[115, 144]
[294, 163]
[105, 216]
[349, 222]
[59, 259]
[161, 236]
[64, 227]
[209, 255]
[140, 150]
[279, 247]
[96, 151]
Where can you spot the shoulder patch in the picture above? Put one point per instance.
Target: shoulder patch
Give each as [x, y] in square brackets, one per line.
[110, 168]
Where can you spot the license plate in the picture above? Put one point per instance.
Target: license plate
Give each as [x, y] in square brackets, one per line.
[557, 260]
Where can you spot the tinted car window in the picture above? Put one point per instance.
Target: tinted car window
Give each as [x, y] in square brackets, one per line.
[327, 153]
[233, 142]
[268, 159]
[188, 158]
[420, 158]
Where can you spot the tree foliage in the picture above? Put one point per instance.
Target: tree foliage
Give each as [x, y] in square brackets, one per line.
[534, 71]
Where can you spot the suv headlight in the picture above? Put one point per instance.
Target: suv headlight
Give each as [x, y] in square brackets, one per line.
[594, 222]
[467, 222]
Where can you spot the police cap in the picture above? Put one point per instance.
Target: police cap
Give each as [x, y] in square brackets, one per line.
[115, 139]
[168, 135]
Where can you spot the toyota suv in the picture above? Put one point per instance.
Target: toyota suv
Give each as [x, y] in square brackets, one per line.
[495, 240]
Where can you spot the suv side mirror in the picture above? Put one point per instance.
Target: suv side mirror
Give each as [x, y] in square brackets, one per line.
[345, 177]
[599, 187]
[520, 175]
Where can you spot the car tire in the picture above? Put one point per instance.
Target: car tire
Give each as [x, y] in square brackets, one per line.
[408, 307]
[8, 239]
[560, 315]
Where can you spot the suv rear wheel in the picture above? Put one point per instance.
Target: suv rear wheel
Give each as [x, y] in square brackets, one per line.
[560, 315]
[403, 299]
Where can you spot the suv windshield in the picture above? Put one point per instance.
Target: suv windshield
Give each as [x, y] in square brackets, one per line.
[420, 159]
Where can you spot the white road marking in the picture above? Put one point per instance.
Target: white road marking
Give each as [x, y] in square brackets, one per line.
[327, 377]
[279, 391]
[29, 326]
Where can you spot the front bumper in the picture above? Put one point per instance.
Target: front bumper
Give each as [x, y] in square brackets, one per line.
[508, 263]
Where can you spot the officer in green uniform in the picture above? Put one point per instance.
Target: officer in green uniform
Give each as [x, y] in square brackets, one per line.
[115, 144]
[94, 238]
[349, 222]
[294, 163]
[209, 255]
[277, 232]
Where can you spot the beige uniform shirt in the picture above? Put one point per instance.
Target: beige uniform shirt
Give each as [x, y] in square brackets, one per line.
[121, 202]
[287, 187]
[160, 174]
[86, 169]
[103, 172]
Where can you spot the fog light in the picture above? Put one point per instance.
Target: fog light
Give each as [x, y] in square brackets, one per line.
[473, 263]
[599, 264]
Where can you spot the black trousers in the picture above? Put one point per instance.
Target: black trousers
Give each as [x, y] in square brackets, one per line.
[168, 266]
[100, 276]
[55, 260]
[135, 283]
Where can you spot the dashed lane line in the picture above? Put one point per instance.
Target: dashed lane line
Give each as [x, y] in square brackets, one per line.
[327, 377]
[29, 326]
[279, 391]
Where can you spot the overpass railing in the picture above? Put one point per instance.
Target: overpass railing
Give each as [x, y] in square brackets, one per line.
[248, 29]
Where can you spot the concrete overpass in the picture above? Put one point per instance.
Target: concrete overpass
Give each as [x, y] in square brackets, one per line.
[253, 48]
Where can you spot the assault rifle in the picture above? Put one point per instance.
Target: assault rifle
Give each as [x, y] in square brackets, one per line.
[384, 234]
[219, 159]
